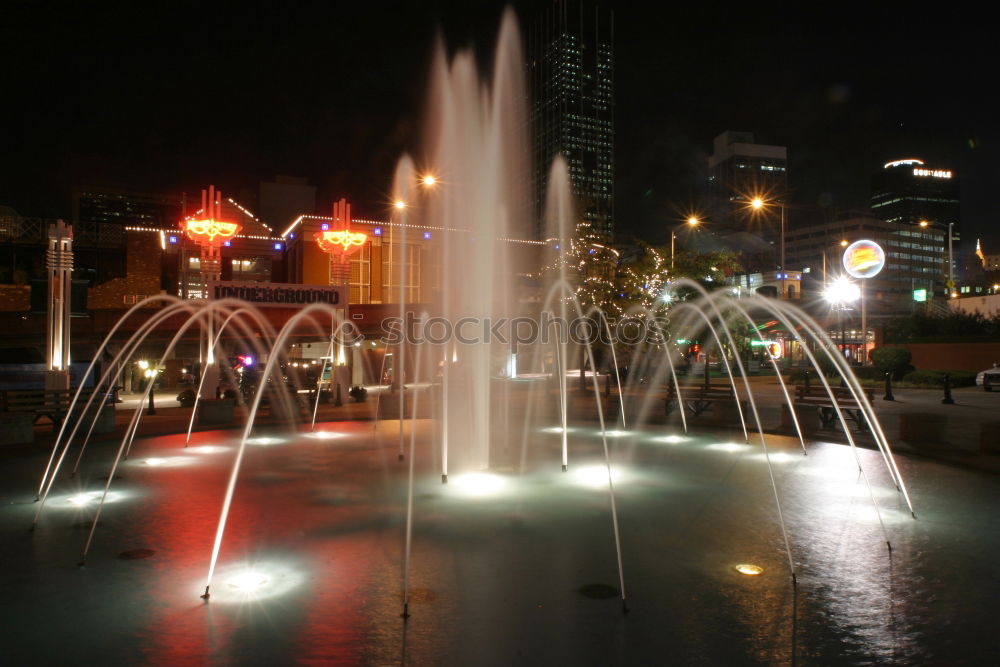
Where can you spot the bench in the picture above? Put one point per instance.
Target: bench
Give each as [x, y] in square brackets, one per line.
[698, 398]
[52, 404]
[816, 396]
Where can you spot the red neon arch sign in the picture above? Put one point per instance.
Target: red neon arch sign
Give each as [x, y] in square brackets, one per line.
[210, 232]
[342, 241]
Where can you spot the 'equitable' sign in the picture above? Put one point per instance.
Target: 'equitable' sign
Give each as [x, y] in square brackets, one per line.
[278, 295]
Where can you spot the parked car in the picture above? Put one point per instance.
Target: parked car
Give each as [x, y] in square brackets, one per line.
[989, 379]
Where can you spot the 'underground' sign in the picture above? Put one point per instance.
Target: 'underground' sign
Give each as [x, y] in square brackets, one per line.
[864, 259]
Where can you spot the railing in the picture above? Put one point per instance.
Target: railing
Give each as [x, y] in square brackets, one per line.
[15, 229]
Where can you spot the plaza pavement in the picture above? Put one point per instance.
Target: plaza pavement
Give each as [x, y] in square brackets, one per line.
[961, 445]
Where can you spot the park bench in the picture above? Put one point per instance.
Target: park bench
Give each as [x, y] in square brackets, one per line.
[52, 404]
[816, 396]
[699, 398]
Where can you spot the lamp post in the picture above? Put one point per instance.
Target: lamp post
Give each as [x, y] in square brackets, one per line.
[839, 294]
[757, 204]
[691, 222]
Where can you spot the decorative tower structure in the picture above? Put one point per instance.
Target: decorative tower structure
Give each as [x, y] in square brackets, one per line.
[339, 242]
[207, 229]
[59, 265]
[210, 232]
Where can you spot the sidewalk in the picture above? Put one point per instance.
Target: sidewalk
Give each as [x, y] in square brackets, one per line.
[973, 407]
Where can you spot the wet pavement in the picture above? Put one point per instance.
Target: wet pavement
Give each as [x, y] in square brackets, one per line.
[519, 568]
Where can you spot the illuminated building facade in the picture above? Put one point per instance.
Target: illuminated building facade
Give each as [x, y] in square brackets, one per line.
[571, 76]
[914, 259]
[100, 216]
[910, 191]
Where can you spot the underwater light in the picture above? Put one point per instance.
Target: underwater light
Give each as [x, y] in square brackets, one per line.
[670, 439]
[595, 476]
[749, 569]
[153, 462]
[779, 457]
[324, 435]
[88, 497]
[478, 483]
[617, 434]
[556, 429]
[248, 581]
[729, 446]
[264, 441]
[207, 449]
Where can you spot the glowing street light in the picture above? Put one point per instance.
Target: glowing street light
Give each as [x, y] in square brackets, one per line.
[757, 204]
[429, 180]
[691, 222]
[399, 204]
[842, 291]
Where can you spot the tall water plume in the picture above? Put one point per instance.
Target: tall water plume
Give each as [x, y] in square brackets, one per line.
[477, 149]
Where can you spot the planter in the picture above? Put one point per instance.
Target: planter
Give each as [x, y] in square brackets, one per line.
[919, 428]
[216, 411]
[989, 438]
[808, 420]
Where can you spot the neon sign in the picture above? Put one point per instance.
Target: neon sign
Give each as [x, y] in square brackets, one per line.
[935, 173]
[864, 259]
[340, 241]
[210, 232]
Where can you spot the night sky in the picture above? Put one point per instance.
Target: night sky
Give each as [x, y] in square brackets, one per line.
[173, 96]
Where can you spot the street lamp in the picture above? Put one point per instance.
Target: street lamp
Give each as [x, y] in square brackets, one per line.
[150, 374]
[950, 285]
[840, 293]
[843, 244]
[691, 222]
[757, 204]
[428, 180]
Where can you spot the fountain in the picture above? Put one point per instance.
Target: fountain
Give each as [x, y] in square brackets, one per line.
[503, 477]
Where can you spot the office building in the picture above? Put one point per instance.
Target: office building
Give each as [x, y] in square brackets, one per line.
[914, 193]
[915, 263]
[739, 169]
[571, 76]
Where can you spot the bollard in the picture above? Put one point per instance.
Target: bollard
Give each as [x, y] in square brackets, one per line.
[947, 400]
[888, 388]
[337, 401]
[151, 410]
[607, 384]
[706, 374]
[807, 379]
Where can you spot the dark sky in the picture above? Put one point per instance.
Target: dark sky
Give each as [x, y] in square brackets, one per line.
[173, 96]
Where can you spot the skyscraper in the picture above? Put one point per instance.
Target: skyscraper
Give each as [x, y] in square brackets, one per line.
[909, 191]
[571, 76]
[738, 171]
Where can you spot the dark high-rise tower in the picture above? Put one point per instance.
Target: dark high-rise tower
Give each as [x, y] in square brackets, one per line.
[571, 74]
[739, 170]
[909, 191]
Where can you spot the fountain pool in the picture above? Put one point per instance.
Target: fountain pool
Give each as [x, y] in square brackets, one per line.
[509, 567]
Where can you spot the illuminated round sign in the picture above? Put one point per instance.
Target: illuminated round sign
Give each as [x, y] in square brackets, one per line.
[864, 259]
